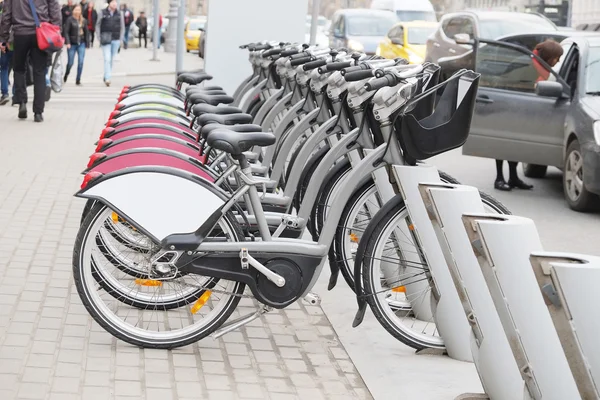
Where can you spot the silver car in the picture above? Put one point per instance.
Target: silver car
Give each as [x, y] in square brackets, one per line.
[520, 116]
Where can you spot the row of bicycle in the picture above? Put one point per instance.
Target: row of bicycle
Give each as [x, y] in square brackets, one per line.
[194, 196]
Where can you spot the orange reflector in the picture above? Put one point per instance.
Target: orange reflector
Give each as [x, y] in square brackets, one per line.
[353, 238]
[399, 289]
[411, 227]
[201, 302]
[148, 282]
[114, 217]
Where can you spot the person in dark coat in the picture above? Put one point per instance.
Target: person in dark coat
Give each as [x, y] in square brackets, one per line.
[91, 16]
[18, 16]
[66, 12]
[142, 24]
[110, 30]
[76, 39]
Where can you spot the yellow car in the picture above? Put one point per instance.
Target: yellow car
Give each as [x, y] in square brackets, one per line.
[407, 40]
[193, 31]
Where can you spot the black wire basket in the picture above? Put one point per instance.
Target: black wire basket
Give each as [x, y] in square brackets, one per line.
[444, 129]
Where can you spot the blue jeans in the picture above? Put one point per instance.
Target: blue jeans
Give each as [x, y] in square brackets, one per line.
[126, 37]
[109, 51]
[80, 50]
[5, 59]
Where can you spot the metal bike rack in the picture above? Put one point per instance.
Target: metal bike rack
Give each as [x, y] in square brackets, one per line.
[449, 316]
[503, 245]
[495, 363]
[569, 285]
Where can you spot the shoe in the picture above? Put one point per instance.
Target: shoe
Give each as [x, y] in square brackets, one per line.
[107, 83]
[65, 79]
[500, 184]
[3, 99]
[78, 83]
[48, 93]
[22, 111]
[519, 184]
[38, 118]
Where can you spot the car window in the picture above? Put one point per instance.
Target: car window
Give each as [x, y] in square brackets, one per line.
[410, 15]
[195, 25]
[592, 68]
[397, 33]
[342, 25]
[419, 35]
[557, 68]
[507, 68]
[369, 25]
[495, 28]
[458, 25]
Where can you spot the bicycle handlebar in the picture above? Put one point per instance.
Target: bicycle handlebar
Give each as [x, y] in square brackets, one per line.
[300, 55]
[271, 52]
[335, 66]
[354, 68]
[289, 52]
[378, 83]
[259, 47]
[301, 60]
[358, 75]
[314, 64]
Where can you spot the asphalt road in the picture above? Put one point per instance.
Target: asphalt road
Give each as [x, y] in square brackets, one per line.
[560, 228]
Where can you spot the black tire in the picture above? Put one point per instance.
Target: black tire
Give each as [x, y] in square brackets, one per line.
[317, 220]
[378, 224]
[131, 336]
[307, 173]
[534, 171]
[581, 200]
[342, 229]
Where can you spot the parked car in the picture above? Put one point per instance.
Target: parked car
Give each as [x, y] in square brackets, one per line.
[360, 29]
[193, 32]
[202, 41]
[554, 122]
[407, 10]
[407, 40]
[481, 24]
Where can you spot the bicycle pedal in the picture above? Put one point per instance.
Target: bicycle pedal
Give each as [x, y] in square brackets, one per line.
[312, 299]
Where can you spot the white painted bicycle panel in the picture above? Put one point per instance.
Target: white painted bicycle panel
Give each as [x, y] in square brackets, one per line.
[492, 354]
[152, 98]
[153, 201]
[449, 316]
[150, 114]
[577, 279]
[508, 244]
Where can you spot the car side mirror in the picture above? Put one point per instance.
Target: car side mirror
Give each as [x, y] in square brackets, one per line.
[462, 38]
[397, 41]
[201, 29]
[337, 33]
[549, 89]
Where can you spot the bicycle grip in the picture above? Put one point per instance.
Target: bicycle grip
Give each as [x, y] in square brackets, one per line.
[299, 55]
[289, 52]
[299, 61]
[335, 66]
[271, 52]
[358, 75]
[378, 83]
[314, 64]
[260, 47]
[354, 68]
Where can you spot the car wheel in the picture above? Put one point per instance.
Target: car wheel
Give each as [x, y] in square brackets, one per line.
[578, 198]
[534, 170]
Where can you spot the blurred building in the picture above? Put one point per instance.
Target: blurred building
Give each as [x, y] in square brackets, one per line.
[328, 7]
[585, 12]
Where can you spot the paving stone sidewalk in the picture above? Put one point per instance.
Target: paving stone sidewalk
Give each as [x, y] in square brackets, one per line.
[51, 349]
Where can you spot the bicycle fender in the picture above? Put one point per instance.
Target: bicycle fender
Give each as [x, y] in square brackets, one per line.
[148, 198]
[360, 254]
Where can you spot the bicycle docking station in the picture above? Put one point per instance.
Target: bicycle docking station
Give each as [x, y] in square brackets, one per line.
[528, 319]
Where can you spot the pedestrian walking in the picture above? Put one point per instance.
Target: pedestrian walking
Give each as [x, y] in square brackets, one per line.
[76, 39]
[127, 20]
[66, 12]
[142, 24]
[91, 16]
[18, 16]
[5, 66]
[84, 7]
[110, 28]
